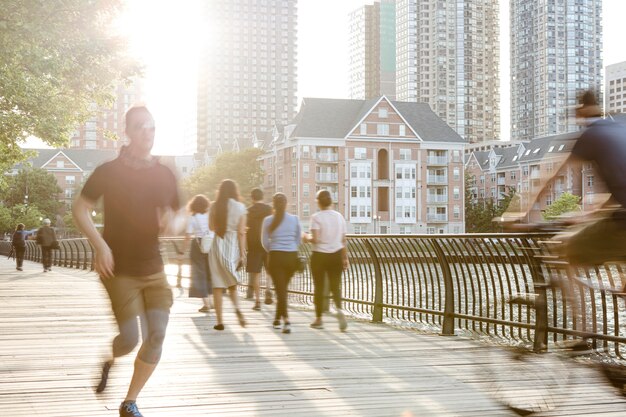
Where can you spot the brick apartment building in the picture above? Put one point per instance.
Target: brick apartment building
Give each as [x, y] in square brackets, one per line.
[391, 167]
[525, 167]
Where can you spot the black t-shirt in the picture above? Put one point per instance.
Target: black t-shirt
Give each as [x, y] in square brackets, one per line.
[604, 143]
[132, 197]
[256, 213]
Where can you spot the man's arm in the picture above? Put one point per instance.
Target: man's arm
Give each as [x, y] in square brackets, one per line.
[103, 256]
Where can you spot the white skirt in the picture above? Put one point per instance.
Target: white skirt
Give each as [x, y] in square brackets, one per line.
[223, 259]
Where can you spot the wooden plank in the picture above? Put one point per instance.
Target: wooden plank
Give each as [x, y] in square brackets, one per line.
[56, 328]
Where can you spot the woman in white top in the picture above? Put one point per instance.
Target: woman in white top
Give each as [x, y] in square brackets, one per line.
[329, 258]
[228, 253]
[198, 226]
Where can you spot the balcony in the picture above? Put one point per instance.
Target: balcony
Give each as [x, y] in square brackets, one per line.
[437, 198]
[436, 160]
[326, 177]
[501, 181]
[437, 179]
[436, 217]
[327, 157]
[535, 174]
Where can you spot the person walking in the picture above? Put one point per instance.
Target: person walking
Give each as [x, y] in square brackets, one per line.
[18, 242]
[281, 236]
[329, 258]
[228, 253]
[197, 227]
[47, 239]
[139, 195]
[257, 257]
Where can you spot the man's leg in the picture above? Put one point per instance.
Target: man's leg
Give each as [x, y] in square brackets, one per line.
[150, 352]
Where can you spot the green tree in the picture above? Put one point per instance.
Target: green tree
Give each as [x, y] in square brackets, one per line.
[39, 185]
[58, 57]
[242, 167]
[481, 212]
[566, 203]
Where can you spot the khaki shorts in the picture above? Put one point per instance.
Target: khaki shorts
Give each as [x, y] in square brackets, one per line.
[596, 243]
[132, 296]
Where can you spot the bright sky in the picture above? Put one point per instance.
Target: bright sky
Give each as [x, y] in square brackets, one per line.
[166, 37]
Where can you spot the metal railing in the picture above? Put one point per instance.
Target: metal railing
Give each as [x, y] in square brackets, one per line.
[448, 284]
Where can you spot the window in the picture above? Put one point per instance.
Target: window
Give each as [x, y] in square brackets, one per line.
[306, 153]
[405, 154]
[513, 175]
[456, 212]
[363, 131]
[354, 191]
[360, 229]
[294, 191]
[305, 171]
[382, 129]
[61, 164]
[306, 210]
[402, 130]
[589, 180]
[280, 174]
[69, 193]
[294, 173]
[70, 180]
[353, 171]
[456, 173]
[383, 113]
[405, 230]
[353, 211]
[360, 153]
[456, 193]
[305, 190]
[525, 170]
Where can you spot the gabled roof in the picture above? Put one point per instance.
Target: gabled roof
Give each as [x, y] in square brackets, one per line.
[85, 159]
[335, 118]
[540, 148]
[508, 157]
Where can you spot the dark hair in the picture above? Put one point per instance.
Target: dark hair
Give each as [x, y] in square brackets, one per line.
[131, 112]
[588, 98]
[228, 189]
[20, 226]
[279, 201]
[198, 204]
[256, 194]
[323, 198]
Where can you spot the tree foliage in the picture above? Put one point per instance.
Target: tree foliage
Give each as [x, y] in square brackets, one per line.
[31, 216]
[481, 212]
[566, 203]
[39, 185]
[58, 58]
[242, 167]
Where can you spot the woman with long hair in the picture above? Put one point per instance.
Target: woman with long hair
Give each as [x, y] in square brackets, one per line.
[281, 235]
[329, 258]
[197, 227]
[227, 256]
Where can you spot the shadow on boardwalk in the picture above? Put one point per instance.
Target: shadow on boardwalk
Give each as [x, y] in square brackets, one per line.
[55, 328]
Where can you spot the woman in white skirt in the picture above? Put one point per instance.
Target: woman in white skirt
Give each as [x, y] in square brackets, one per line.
[227, 256]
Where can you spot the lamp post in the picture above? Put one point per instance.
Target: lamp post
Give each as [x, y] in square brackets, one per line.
[376, 218]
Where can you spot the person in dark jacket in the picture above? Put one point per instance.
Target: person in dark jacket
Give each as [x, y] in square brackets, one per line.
[46, 238]
[19, 245]
[257, 257]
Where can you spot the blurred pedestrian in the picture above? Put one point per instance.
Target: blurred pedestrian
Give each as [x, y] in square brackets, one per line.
[197, 227]
[227, 257]
[257, 256]
[47, 239]
[329, 258]
[281, 236]
[139, 196]
[18, 242]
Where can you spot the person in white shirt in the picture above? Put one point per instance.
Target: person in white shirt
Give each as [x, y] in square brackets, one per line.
[198, 226]
[329, 258]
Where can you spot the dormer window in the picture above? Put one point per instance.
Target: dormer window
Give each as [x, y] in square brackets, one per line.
[536, 151]
[382, 113]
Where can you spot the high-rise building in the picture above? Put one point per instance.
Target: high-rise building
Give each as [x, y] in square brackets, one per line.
[373, 51]
[556, 51]
[447, 55]
[105, 129]
[247, 74]
[615, 88]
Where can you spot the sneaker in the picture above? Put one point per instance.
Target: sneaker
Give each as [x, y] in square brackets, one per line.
[287, 328]
[343, 323]
[129, 409]
[268, 298]
[104, 376]
[276, 324]
[317, 325]
[204, 309]
[257, 307]
[19, 268]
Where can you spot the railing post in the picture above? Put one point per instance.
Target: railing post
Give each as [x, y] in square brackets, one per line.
[377, 314]
[540, 342]
[448, 311]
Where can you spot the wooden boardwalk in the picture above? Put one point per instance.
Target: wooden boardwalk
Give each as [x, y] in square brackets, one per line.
[55, 329]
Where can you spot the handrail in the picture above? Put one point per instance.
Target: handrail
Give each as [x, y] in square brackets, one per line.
[451, 284]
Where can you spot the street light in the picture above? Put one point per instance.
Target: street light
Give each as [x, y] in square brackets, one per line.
[376, 219]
